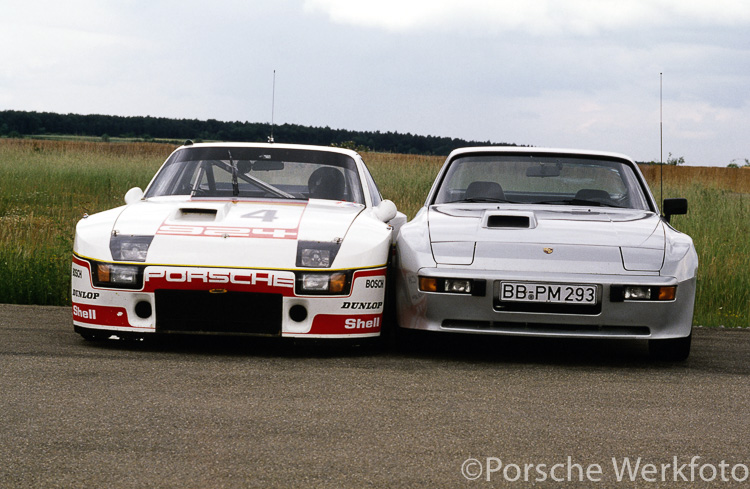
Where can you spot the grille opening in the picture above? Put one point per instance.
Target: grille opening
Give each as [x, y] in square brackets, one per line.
[143, 309]
[507, 221]
[298, 313]
[200, 311]
[544, 328]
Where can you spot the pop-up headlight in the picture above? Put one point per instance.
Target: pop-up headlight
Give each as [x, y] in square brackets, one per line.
[129, 248]
[316, 254]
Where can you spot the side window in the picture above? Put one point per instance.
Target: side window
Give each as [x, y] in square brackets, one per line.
[374, 193]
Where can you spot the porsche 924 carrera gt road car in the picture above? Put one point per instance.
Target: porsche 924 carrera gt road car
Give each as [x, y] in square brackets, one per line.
[231, 238]
[544, 242]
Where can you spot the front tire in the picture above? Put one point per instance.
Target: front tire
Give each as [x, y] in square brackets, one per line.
[671, 350]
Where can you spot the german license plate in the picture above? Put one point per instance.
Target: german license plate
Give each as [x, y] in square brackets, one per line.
[554, 293]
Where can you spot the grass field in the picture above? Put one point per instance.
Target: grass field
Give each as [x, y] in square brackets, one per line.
[46, 186]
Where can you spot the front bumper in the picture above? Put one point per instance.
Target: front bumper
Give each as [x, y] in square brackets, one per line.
[485, 314]
[214, 300]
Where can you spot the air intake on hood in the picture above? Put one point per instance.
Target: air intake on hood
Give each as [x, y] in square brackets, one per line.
[196, 214]
[508, 221]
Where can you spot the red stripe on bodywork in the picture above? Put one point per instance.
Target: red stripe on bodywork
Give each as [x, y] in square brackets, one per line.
[338, 324]
[100, 315]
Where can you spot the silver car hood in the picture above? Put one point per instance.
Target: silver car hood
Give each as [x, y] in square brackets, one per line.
[583, 239]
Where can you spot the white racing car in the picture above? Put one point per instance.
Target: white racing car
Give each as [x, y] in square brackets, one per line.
[553, 243]
[233, 238]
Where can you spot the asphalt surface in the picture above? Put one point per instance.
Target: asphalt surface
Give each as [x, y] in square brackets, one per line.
[207, 412]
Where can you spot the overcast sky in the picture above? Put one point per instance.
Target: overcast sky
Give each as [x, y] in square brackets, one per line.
[554, 73]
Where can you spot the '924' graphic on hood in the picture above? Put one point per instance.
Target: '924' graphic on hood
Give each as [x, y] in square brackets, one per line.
[281, 222]
[228, 232]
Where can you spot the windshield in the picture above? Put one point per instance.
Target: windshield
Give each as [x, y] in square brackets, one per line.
[527, 179]
[259, 173]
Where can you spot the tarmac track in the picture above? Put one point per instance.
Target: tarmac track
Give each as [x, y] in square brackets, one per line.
[209, 412]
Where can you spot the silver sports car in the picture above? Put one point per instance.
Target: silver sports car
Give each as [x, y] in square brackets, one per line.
[549, 243]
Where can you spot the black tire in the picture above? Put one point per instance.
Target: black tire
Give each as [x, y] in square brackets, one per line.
[671, 350]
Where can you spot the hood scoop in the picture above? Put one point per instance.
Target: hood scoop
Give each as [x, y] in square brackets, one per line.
[509, 220]
[196, 214]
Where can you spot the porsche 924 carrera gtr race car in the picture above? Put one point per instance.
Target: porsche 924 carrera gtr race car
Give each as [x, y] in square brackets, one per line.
[231, 238]
[545, 242]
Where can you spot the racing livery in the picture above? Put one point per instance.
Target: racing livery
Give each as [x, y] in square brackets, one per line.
[546, 242]
[239, 238]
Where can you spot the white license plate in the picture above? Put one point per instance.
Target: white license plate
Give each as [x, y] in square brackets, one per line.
[555, 293]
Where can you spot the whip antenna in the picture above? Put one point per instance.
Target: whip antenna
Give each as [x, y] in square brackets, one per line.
[661, 146]
[273, 99]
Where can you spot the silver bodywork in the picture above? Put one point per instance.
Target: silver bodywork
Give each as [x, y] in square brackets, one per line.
[558, 245]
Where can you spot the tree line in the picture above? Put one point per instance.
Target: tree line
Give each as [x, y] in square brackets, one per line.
[24, 123]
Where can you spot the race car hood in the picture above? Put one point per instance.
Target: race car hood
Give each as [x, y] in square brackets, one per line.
[233, 233]
[584, 239]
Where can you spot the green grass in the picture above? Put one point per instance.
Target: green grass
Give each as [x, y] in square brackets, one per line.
[719, 223]
[46, 186]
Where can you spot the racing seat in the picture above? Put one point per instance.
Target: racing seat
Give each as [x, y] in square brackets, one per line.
[484, 190]
[326, 183]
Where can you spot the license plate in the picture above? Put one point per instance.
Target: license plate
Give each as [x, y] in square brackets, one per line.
[554, 293]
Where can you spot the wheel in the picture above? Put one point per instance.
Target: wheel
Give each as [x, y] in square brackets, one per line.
[672, 350]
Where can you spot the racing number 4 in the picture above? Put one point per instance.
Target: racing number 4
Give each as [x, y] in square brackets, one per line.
[265, 215]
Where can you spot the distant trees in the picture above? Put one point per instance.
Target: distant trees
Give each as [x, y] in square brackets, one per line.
[675, 161]
[17, 123]
[734, 164]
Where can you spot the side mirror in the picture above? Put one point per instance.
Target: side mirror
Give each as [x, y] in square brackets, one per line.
[133, 195]
[674, 207]
[385, 211]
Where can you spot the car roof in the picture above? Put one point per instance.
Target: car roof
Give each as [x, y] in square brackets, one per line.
[308, 147]
[534, 150]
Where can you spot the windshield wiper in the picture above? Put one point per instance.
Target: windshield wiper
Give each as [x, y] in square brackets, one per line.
[581, 202]
[483, 199]
[268, 187]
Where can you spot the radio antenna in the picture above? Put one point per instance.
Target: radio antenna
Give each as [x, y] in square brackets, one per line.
[273, 100]
[661, 145]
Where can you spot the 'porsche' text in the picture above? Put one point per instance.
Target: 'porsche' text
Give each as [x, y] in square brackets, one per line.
[241, 277]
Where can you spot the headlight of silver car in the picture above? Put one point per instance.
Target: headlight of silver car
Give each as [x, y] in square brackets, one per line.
[316, 254]
[620, 293]
[476, 287]
[129, 248]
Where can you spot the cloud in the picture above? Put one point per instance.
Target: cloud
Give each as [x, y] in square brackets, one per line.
[568, 73]
[534, 17]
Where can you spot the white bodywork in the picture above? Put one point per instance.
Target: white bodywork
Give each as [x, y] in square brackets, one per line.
[595, 250]
[238, 256]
